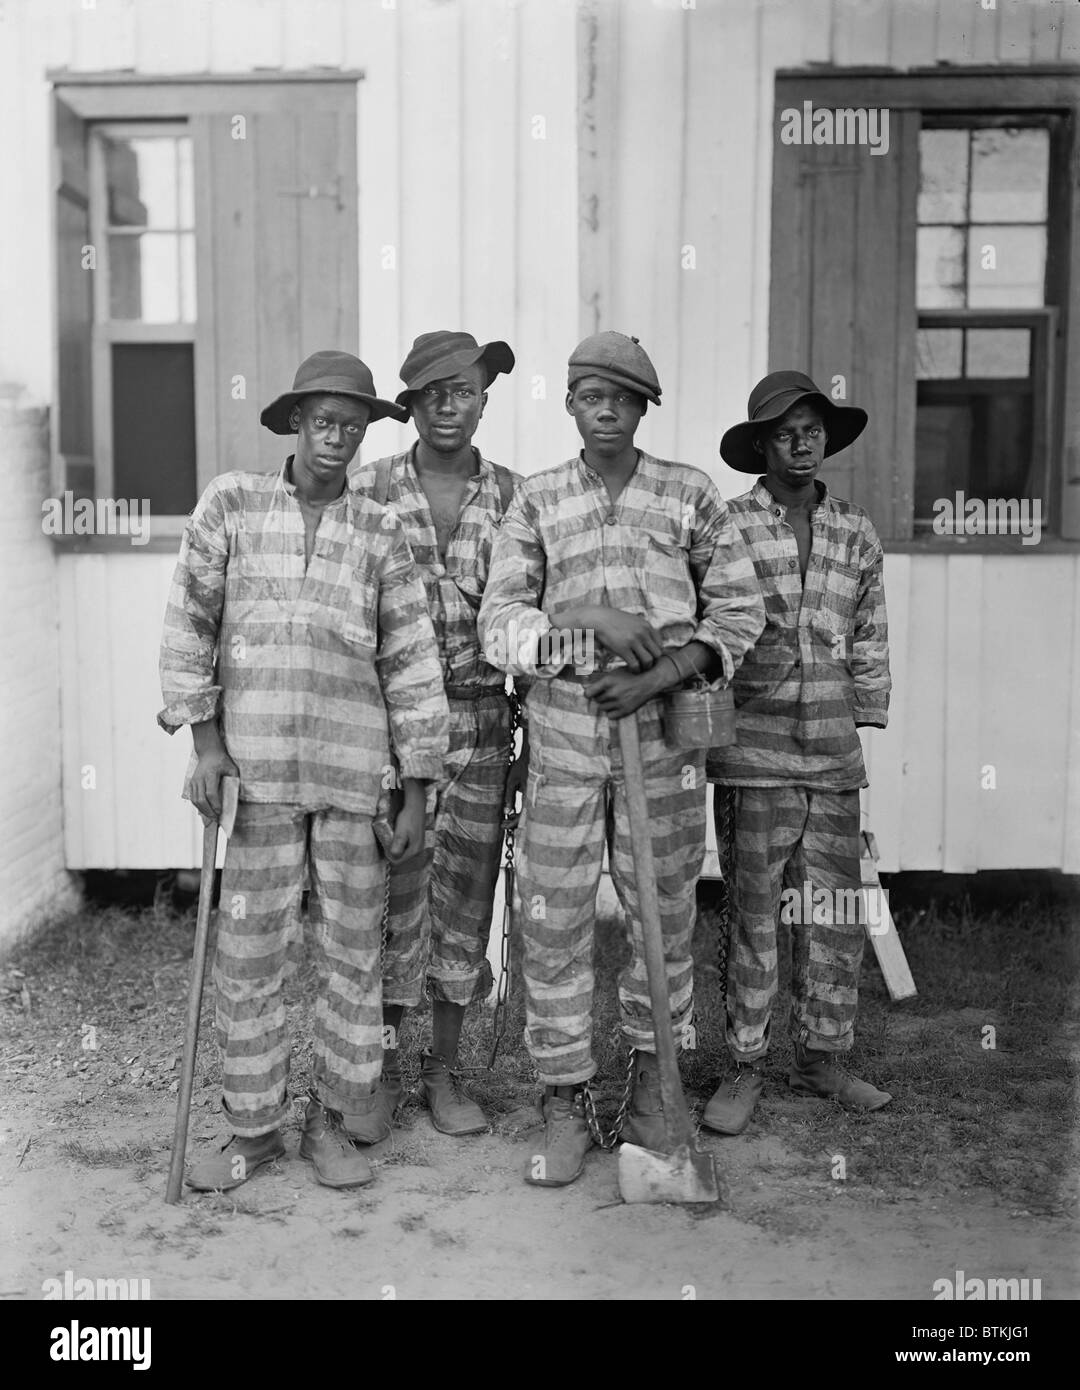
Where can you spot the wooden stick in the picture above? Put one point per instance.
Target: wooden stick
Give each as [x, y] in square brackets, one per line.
[680, 1131]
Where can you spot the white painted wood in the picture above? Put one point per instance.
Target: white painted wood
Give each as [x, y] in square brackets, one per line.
[884, 748]
[172, 37]
[1014, 31]
[922, 826]
[103, 34]
[246, 34]
[912, 33]
[815, 21]
[313, 34]
[1025, 709]
[1048, 19]
[1070, 850]
[861, 29]
[963, 707]
[954, 35]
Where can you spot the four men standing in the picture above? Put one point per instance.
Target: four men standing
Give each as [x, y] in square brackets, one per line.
[343, 645]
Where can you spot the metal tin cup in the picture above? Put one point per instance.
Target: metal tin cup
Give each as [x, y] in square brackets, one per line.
[699, 718]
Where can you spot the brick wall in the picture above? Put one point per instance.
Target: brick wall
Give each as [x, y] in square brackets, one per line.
[34, 885]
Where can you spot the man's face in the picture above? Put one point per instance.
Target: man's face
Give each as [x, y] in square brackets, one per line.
[329, 432]
[447, 412]
[605, 413]
[793, 448]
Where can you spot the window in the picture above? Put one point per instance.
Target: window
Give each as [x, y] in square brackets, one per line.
[206, 242]
[936, 282]
[142, 221]
[982, 355]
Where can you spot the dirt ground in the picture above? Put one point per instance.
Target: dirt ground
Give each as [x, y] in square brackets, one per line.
[85, 1134]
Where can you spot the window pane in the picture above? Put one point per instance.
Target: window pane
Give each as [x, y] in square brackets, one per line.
[187, 278]
[940, 268]
[153, 392]
[939, 353]
[998, 352]
[943, 174]
[943, 451]
[144, 277]
[1009, 171]
[186, 175]
[141, 179]
[1006, 267]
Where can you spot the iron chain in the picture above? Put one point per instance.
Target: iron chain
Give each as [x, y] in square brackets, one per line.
[724, 812]
[593, 1121]
[502, 995]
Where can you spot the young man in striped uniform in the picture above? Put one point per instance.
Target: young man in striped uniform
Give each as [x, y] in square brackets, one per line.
[819, 672]
[450, 500]
[640, 557]
[296, 632]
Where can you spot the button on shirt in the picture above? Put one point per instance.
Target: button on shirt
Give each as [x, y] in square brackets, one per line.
[454, 584]
[311, 667]
[665, 550]
[822, 662]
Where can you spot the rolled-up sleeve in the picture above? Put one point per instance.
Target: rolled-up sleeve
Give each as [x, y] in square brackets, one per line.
[193, 618]
[870, 638]
[511, 622]
[410, 675]
[731, 611]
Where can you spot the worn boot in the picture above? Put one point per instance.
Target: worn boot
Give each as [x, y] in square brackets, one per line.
[729, 1110]
[235, 1162]
[645, 1118]
[560, 1157]
[372, 1122]
[820, 1074]
[452, 1111]
[328, 1147]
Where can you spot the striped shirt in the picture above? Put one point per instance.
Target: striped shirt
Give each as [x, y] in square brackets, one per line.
[454, 585]
[303, 666]
[822, 662]
[665, 550]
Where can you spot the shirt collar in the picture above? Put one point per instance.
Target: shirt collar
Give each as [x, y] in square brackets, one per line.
[764, 498]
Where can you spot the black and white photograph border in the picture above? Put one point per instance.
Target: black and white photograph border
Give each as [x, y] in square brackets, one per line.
[881, 195]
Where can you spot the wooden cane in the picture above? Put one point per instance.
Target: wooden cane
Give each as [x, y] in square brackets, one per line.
[230, 788]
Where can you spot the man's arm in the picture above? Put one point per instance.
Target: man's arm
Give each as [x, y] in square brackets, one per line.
[510, 622]
[731, 611]
[870, 636]
[189, 647]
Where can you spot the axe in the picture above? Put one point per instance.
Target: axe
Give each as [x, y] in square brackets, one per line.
[230, 791]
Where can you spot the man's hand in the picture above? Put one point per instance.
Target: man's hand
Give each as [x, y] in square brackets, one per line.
[624, 634]
[516, 780]
[214, 764]
[409, 823]
[619, 693]
[629, 637]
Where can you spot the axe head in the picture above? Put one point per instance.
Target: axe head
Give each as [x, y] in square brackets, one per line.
[685, 1175]
[230, 797]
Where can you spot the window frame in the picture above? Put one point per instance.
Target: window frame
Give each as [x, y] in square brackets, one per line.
[155, 101]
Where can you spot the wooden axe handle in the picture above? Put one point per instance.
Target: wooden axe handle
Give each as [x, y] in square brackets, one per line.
[230, 790]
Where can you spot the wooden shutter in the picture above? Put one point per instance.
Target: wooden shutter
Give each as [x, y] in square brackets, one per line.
[842, 300]
[73, 430]
[279, 266]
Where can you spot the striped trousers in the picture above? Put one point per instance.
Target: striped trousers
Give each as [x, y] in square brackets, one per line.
[441, 900]
[796, 859]
[575, 800]
[258, 921]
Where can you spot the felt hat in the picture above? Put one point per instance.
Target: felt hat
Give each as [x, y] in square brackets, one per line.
[329, 373]
[773, 397]
[442, 354]
[616, 358]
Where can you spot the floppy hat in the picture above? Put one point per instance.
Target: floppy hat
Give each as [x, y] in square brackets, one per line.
[329, 373]
[773, 397]
[617, 358]
[436, 356]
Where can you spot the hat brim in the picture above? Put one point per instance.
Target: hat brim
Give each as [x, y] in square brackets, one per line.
[497, 357]
[276, 415]
[579, 373]
[843, 425]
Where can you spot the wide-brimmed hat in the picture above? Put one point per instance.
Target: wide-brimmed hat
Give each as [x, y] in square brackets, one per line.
[442, 354]
[617, 358]
[774, 396]
[329, 373]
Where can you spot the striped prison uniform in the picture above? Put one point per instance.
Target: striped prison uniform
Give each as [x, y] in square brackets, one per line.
[441, 901]
[304, 665]
[820, 668]
[664, 550]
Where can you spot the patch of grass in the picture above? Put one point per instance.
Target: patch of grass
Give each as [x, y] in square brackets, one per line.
[106, 1155]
